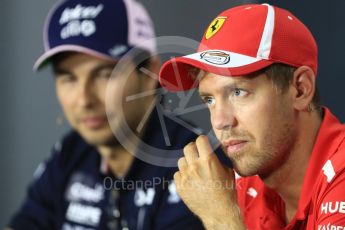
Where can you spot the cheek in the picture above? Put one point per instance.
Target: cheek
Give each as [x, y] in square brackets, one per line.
[67, 104]
[66, 100]
[257, 119]
[218, 134]
[101, 93]
[274, 123]
[114, 96]
[119, 99]
[133, 87]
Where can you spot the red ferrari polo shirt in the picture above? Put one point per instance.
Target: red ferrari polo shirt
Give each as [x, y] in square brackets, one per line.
[322, 202]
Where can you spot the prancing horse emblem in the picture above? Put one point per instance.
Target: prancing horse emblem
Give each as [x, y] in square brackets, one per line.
[214, 27]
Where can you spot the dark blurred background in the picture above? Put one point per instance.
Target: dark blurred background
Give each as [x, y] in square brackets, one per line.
[29, 109]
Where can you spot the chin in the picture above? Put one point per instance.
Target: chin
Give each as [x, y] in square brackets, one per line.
[245, 169]
[99, 138]
[244, 173]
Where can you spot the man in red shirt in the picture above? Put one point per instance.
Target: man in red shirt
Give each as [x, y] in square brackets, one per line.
[256, 69]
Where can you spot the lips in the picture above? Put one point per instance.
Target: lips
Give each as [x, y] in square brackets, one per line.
[232, 146]
[93, 122]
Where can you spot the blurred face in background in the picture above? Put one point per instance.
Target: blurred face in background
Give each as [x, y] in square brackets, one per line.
[81, 84]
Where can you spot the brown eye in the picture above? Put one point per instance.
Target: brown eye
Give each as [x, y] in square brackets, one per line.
[104, 74]
[65, 78]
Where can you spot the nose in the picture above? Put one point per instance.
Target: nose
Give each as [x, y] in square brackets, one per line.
[223, 117]
[86, 96]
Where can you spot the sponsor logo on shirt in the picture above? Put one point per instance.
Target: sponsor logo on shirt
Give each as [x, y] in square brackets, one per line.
[252, 192]
[328, 170]
[78, 191]
[67, 226]
[39, 170]
[142, 197]
[330, 226]
[84, 195]
[173, 197]
[83, 214]
[333, 207]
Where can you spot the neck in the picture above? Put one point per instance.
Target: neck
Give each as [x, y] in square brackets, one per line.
[287, 180]
[117, 158]
[120, 158]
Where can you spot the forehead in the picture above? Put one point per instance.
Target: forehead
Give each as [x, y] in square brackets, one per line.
[210, 81]
[83, 56]
[71, 60]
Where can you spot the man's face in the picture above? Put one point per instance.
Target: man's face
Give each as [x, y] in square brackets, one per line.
[253, 120]
[81, 83]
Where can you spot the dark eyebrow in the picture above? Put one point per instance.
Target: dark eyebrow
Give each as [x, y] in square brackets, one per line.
[58, 71]
[203, 94]
[102, 67]
[236, 84]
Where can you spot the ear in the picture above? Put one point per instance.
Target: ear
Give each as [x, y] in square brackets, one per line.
[150, 74]
[303, 84]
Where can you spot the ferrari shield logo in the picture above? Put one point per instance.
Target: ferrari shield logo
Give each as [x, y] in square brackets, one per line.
[214, 27]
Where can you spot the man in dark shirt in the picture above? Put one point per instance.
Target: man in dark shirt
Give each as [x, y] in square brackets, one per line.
[93, 179]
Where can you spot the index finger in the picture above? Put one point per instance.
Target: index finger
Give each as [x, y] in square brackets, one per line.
[203, 145]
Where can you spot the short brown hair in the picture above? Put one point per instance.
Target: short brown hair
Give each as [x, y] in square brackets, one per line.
[281, 76]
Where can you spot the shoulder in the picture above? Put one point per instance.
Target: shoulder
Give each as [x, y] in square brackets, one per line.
[65, 155]
[328, 198]
[70, 147]
[333, 168]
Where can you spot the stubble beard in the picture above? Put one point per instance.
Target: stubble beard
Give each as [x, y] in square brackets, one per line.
[265, 157]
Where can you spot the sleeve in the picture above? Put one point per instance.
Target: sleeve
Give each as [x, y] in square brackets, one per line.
[37, 210]
[173, 214]
[331, 206]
